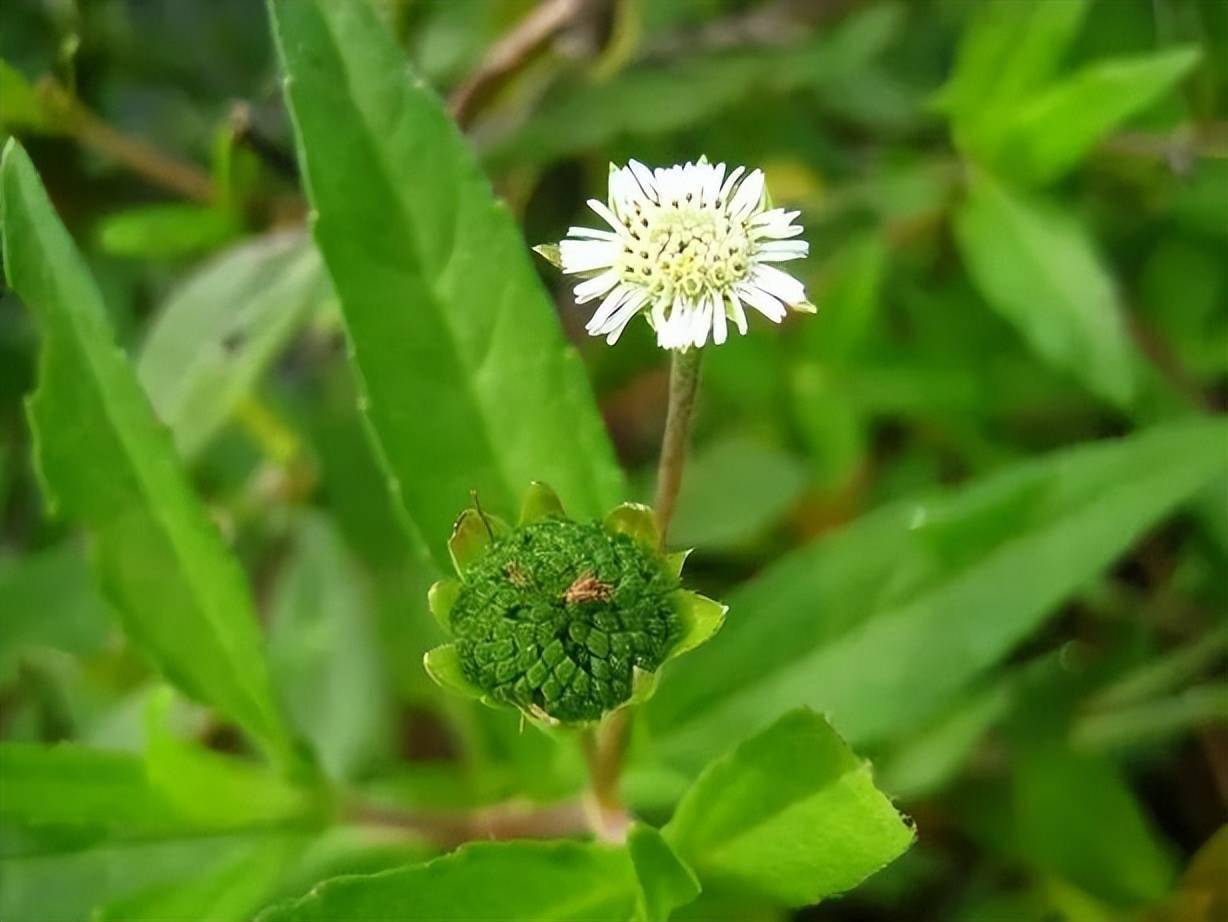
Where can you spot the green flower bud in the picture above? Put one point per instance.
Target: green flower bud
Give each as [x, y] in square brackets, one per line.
[563, 620]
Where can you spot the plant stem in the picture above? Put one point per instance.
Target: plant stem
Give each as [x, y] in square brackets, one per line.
[603, 750]
[683, 385]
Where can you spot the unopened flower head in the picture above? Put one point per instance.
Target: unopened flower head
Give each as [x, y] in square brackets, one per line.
[691, 247]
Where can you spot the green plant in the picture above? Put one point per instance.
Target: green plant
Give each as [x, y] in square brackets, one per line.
[275, 525]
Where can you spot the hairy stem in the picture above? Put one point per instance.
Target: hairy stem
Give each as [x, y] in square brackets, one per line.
[683, 385]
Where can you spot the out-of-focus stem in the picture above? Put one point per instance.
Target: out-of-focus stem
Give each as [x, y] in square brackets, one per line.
[683, 386]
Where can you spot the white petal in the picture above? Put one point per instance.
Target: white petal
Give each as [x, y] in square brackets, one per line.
[776, 231]
[595, 287]
[723, 195]
[712, 185]
[719, 329]
[748, 196]
[800, 247]
[588, 233]
[737, 313]
[610, 217]
[701, 323]
[764, 303]
[616, 324]
[644, 176]
[586, 255]
[607, 307]
[775, 216]
[780, 284]
[625, 311]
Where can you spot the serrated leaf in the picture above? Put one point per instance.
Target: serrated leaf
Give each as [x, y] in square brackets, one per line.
[1040, 270]
[1053, 131]
[182, 596]
[665, 882]
[222, 327]
[493, 881]
[791, 814]
[468, 383]
[880, 624]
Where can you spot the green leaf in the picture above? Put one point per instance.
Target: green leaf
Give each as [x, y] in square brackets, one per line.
[791, 814]
[107, 794]
[1008, 51]
[72, 885]
[221, 329]
[665, 882]
[493, 881]
[440, 599]
[227, 890]
[468, 383]
[881, 624]
[166, 231]
[1052, 133]
[472, 533]
[324, 652]
[443, 665]
[22, 108]
[181, 594]
[1112, 851]
[1040, 270]
[701, 618]
[56, 581]
[655, 100]
[540, 502]
[636, 521]
[734, 490]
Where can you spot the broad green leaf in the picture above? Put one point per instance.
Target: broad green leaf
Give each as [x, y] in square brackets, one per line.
[324, 653]
[1007, 53]
[69, 886]
[791, 814]
[180, 593]
[228, 890]
[107, 794]
[220, 329]
[1040, 270]
[78, 793]
[1112, 851]
[493, 881]
[665, 882]
[1053, 131]
[659, 99]
[882, 623]
[166, 231]
[50, 600]
[468, 383]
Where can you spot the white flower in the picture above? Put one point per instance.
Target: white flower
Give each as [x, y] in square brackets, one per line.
[690, 247]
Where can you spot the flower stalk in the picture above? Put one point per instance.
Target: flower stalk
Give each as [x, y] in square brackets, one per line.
[683, 387]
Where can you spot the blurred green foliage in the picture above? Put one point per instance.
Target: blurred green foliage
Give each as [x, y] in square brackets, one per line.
[975, 512]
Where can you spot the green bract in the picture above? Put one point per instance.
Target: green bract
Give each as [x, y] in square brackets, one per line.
[564, 620]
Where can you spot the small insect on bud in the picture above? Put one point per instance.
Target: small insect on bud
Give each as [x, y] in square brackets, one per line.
[563, 620]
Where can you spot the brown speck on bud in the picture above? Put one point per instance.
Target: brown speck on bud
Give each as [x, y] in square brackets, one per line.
[516, 575]
[587, 588]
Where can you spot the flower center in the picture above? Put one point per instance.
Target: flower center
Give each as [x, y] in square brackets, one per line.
[557, 616]
[684, 249]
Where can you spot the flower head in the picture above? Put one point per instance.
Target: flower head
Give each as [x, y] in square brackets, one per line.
[689, 246]
[563, 620]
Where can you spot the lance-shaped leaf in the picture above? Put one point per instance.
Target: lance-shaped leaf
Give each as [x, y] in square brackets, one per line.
[882, 624]
[107, 463]
[468, 383]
